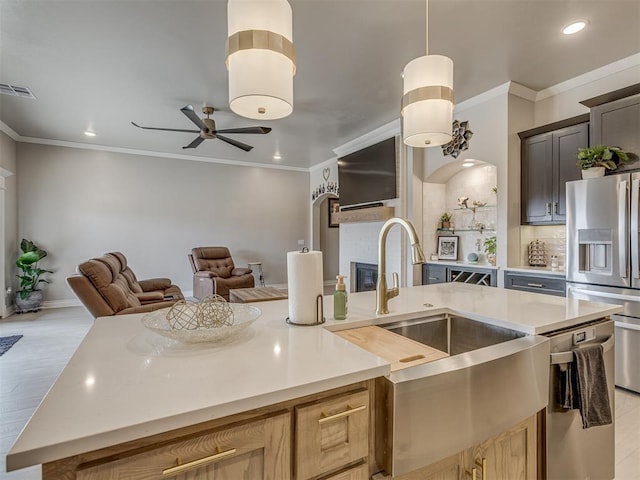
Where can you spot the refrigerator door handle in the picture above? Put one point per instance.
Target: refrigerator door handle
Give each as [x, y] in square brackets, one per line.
[635, 199]
[622, 228]
[598, 293]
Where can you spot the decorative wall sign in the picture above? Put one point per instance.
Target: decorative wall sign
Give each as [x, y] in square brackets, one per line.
[331, 187]
[460, 139]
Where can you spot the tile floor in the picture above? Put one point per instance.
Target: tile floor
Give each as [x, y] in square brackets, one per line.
[51, 336]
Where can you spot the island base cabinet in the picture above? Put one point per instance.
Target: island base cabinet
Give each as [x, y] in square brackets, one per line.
[258, 450]
[511, 455]
[331, 434]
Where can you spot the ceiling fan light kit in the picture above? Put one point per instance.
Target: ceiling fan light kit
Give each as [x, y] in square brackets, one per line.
[261, 58]
[428, 99]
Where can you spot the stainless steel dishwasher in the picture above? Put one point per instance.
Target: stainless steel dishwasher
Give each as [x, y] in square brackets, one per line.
[574, 453]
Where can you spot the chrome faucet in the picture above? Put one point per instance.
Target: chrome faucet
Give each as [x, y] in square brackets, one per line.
[384, 294]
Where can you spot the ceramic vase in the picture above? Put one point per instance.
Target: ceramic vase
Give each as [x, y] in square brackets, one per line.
[593, 172]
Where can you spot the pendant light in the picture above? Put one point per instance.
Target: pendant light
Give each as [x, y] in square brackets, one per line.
[261, 58]
[427, 101]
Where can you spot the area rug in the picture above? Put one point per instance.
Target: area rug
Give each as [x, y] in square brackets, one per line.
[7, 342]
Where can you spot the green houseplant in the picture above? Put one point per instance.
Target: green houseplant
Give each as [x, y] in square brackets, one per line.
[445, 220]
[603, 157]
[29, 297]
[490, 249]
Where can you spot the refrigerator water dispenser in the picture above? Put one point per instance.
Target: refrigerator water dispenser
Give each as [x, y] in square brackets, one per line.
[595, 251]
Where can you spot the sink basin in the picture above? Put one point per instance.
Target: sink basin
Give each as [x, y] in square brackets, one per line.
[492, 379]
[452, 334]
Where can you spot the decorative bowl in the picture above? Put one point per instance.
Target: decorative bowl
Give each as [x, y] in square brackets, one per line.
[244, 315]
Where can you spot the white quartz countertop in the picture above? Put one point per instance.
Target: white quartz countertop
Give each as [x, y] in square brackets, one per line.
[560, 272]
[125, 382]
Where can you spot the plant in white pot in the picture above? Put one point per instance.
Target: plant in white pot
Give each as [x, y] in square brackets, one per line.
[29, 297]
[595, 160]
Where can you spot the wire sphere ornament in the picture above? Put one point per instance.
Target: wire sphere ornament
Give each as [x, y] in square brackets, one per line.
[212, 312]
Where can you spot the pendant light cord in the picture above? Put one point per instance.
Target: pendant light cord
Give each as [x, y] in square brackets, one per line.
[426, 26]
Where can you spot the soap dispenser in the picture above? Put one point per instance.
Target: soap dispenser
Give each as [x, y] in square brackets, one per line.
[340, 300]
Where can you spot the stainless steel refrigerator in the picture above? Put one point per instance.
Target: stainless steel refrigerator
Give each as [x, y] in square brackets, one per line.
[603, 263]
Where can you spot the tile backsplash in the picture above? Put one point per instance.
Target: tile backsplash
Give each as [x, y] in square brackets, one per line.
[554, 238]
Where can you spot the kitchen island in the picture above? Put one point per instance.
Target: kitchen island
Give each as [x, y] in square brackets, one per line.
[125, 384]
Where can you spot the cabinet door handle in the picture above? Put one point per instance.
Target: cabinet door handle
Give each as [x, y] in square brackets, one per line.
[548, 207]
[181, 467]
[555, 208]
[535, 285]
[346, 413]
[484, 468]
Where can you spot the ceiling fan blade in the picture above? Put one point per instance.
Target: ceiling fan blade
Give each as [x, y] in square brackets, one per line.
[235, 143]
[165, 129]
[245, 130]
[195, 143]
[191, 115]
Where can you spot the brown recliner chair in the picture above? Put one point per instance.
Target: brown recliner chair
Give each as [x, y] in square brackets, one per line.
[215, 273]
[107, 286]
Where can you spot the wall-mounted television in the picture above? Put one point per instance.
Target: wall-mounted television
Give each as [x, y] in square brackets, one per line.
[368, 175]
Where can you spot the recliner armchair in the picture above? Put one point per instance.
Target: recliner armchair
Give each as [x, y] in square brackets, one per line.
[107, 286]
[215, 273]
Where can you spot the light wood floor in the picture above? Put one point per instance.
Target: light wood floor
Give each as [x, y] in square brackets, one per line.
[51, 336]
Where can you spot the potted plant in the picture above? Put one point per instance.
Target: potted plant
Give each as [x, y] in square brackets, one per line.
[445, 220]
[490, 249]
[29, 297]
[595, 160]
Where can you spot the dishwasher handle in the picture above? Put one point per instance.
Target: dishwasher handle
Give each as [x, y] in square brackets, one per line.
[567, 357]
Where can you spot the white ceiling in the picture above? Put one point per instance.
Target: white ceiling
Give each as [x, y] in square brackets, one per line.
[100, 64]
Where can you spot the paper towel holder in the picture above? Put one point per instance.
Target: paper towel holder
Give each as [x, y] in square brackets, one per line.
[319, 315]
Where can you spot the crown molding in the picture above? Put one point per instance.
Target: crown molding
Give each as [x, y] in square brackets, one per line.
[9, 131]
[326, 163]
[150, 153]
[388, 130]
[592, 76]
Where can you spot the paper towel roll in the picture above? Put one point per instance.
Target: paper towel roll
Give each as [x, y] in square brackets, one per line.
[304, 279]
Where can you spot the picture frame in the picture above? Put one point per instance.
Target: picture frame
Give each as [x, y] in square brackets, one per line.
[448, 247]
[334, 207]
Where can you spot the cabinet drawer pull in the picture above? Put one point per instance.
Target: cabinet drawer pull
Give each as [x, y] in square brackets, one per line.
[535, 285]
[181, 467]
[346, 413]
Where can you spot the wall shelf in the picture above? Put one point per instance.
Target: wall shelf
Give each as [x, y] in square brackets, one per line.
[372, 214]
[454, 230]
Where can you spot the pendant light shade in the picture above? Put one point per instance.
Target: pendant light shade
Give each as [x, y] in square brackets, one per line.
[260, 58]
[427, 100]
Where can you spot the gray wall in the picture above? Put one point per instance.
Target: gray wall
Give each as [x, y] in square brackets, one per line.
[8, 164]
[79, 204]
[329, 244]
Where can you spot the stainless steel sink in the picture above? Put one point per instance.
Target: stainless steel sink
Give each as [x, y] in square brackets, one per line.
[494, 378]
[452, 334]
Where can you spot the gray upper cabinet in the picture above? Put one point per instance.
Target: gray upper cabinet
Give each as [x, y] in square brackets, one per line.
[618, 123]
[548, 163]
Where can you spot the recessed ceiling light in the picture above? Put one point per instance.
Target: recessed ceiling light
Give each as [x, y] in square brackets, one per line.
[574, 27]
[90, 134]
[277, 156]
[468, 163]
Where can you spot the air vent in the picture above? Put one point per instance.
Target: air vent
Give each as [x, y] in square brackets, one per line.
[16, 91]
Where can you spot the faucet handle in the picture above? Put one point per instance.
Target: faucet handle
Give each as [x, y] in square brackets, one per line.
[393, 291]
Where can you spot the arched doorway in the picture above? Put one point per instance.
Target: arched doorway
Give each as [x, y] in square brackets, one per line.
[325, 237]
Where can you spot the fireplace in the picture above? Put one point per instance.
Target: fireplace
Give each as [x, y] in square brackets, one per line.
[366, 276]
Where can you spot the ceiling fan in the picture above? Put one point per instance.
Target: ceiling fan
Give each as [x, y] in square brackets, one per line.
[208, 130]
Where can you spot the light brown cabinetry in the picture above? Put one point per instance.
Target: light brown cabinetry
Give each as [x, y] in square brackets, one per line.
[511, 455]
[257, 450]
[331, 434]
[330, 440]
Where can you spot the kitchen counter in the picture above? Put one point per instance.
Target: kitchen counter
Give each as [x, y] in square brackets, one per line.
[460, 263]
[125, 382]
[560, 272]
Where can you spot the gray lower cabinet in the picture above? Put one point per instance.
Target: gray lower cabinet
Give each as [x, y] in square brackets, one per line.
[535, 282]
[432, 273]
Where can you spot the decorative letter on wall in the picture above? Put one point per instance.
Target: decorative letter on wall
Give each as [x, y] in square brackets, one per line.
[459, 140]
